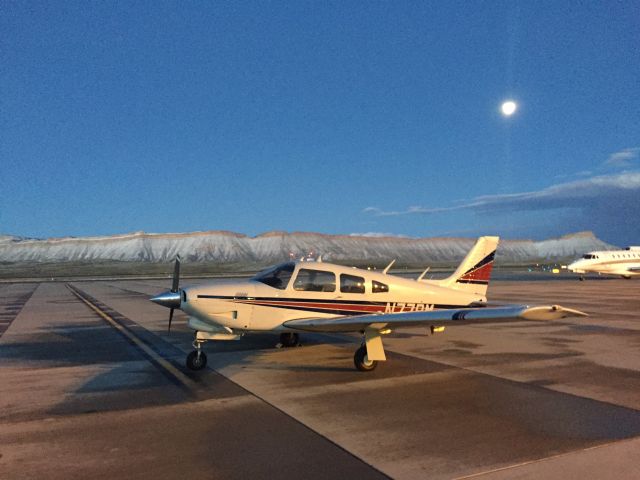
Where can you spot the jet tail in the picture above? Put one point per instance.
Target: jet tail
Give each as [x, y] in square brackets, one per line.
[473, 274]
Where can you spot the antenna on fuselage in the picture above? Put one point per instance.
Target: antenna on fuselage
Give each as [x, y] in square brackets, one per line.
[423, 274]
[389, 266]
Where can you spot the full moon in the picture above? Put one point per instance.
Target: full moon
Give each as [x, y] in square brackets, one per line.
[508, 108]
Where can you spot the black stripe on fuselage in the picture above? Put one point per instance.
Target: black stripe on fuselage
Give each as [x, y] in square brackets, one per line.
[282, 299]
[334, 311]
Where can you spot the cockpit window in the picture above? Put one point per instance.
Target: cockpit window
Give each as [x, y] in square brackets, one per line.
[589, 256]
[278, 276]
[315, 281]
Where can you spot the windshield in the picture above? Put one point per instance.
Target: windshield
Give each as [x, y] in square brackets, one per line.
[276, 277]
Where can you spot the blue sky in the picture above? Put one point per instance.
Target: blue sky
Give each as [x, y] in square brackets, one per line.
[336, 117]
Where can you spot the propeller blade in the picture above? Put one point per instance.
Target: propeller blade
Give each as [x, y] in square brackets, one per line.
[174, 286]
[176, 275]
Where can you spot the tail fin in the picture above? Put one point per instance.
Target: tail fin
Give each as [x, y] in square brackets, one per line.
[473, 274]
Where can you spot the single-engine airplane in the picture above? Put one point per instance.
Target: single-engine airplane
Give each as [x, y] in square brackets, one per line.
[625, 263]
[313, 296]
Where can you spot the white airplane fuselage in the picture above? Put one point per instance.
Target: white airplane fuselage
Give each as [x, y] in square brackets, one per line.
[624, 263]
[255, 306]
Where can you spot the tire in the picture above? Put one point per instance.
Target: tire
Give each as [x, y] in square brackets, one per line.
[362, 362]
[289, 339]
[196, 363]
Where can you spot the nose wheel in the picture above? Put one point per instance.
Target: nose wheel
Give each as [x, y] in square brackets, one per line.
[197, 359]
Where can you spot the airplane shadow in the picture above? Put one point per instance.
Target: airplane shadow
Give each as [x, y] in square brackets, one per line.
[107, 371]
[70, 345]
[313, 364]
[113, 374]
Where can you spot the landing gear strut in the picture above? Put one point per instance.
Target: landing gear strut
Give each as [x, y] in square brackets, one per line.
[197, 359]
[289, 339]
[361, 360]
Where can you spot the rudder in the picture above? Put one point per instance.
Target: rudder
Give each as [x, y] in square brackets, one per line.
[474, 272]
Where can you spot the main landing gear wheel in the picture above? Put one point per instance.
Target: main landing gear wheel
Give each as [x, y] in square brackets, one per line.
[196, 360]
[362, 362]
[289, 339]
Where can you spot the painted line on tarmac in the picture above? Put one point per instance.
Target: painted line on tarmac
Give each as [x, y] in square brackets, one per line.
[168, 367]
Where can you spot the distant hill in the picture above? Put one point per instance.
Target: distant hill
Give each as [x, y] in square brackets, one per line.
[232, 248]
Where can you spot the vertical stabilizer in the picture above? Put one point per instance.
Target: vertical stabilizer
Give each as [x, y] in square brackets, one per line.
[473, 274]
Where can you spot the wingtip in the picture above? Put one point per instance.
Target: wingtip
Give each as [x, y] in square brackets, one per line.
[551, 312]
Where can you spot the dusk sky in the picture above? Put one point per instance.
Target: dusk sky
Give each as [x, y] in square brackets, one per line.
[332, 117]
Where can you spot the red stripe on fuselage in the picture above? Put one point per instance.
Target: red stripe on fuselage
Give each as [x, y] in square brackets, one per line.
[318, 306]
[332, 306]
[335, 307]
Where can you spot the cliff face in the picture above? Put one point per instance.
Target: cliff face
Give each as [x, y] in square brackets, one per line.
[273, 247]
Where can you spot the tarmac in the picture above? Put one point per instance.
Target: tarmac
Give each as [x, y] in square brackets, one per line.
[93, 386]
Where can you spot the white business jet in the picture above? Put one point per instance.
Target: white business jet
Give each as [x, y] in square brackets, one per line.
[322, 297]
[625, 263]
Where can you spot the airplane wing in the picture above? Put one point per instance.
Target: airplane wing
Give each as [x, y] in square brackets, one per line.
[633, 269]
[359, 323]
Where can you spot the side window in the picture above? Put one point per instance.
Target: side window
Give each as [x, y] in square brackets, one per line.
[351, 284]
[379, 287]
[315, 281]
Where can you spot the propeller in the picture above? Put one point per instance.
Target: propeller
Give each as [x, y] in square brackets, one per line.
[172, 298]
[174, 286]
